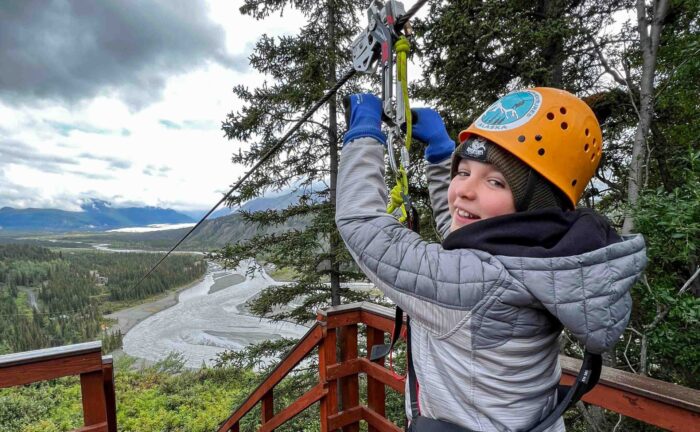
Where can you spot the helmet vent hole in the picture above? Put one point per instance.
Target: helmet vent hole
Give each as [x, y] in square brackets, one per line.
[540, 152]
[573, 183]
[585, 148]
[564, 125]
[521, 138]
[550, 116]
[593, 157]
[588, 133]
[538, 137]
[562, 110]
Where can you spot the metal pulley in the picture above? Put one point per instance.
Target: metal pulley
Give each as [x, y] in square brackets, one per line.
[381, 46]
[374, 48]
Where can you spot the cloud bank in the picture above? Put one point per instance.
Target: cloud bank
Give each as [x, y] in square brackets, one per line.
[69, 51]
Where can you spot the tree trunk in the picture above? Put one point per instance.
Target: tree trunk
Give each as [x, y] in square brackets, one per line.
[333, 144]
[554, 48]
[661, 159]
[333, 150]
[649, 37]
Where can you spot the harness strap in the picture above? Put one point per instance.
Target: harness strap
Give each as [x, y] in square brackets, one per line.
[381, 351]
[587, 378]
[412, 380]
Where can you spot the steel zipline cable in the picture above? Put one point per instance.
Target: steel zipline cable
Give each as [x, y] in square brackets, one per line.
[400, 23]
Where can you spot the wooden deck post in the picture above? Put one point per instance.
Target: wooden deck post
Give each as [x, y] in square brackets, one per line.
[376, 393]
[94, 401]
[268, 406]
[327, 357]
[110, 397]
[350, 384]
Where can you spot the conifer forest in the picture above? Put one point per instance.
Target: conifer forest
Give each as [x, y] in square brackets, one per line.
[52, 298]
[636, 63]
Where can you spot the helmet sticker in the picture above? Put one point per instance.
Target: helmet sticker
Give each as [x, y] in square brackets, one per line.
[511, 111]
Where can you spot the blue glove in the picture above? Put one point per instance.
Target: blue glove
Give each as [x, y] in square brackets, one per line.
[429, 128]
[363, 114]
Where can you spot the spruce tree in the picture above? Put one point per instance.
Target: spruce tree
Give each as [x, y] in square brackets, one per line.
[473, 52]
[299, 69]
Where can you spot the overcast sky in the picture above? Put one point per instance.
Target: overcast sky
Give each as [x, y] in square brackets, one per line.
[122, 100]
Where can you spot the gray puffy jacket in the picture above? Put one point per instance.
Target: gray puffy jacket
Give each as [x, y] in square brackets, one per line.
[484, 325]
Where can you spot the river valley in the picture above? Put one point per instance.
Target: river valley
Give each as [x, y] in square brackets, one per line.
[208, 318]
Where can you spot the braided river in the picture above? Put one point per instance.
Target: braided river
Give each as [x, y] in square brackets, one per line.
[209, 318]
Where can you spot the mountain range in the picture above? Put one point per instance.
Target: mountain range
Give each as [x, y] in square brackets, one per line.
[95, 215]
[99, 215]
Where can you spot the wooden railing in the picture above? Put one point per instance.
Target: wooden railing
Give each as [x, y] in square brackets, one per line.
[655, 402]
[96, 378]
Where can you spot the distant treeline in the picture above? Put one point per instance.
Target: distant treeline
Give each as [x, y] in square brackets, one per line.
[124, 270]
[53, 298]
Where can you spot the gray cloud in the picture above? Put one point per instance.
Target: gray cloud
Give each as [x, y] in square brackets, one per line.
[65, 128]
[152, 170]
[92, 176]
[190, 124]
[70, 51]
[14, 195]
[169, 124]
[113, 162]
[19, 153]
[18, 196]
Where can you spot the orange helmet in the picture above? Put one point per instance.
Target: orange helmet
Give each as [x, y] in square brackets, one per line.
[551, 130]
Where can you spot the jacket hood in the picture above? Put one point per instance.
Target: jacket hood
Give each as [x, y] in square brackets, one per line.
[544, 233]
[573, 263]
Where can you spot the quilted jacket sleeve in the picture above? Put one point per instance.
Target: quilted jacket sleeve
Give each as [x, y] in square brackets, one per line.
[436, 287]
[438, 182]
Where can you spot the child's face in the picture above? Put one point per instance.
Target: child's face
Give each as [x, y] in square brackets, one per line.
[478, 191]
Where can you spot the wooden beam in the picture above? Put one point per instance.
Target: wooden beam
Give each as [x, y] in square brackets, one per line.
[37, 356]
[346, 319]
[299, 405]
[47, 368]
[327, 356]
[382, 375]
[93, 395]
[323, 314]
[350, 383]
[337, 421]
[378, 422]
[376, 393]
[110, 397]
[341, 370]
[378, 322]
[102, 427]
[295, 356]
[268, 407]
[659, 403]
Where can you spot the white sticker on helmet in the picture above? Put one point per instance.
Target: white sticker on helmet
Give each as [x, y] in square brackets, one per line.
[511, 111]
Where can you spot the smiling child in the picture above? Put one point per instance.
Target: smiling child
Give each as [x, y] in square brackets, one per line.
[517, 263]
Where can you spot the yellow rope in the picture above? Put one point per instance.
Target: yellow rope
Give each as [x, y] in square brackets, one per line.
[400, 190]
[403, 47]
